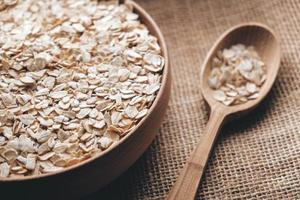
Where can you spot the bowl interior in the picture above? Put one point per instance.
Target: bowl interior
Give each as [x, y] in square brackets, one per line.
[155, 31]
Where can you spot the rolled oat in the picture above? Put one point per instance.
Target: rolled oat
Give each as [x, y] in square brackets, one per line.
[237, 74]
[76, 76]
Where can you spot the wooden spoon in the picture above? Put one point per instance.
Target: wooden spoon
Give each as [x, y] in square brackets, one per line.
[267, 45]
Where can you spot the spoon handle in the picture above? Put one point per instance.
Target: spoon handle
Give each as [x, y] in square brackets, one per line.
[188, 181]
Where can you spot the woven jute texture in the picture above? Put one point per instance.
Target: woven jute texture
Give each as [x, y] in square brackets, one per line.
[256, 157]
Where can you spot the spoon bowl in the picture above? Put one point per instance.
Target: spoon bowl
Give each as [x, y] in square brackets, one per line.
[267, 46]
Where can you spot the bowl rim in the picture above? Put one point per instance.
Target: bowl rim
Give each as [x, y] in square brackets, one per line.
[155, 30]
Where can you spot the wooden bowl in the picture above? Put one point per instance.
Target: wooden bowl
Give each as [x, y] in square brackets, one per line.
[92, 174]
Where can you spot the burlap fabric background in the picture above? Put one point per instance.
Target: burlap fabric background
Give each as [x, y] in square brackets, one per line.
[257, 157]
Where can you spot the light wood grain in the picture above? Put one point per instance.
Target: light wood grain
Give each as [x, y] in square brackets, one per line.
[267, 45]
[188, 180]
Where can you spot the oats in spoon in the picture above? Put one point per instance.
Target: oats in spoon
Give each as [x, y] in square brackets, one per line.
[237, 75]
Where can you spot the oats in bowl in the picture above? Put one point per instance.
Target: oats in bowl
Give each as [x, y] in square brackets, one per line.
[75, 77]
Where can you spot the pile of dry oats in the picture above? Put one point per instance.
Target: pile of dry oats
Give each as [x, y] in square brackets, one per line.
[237, 75]
[75, 77]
